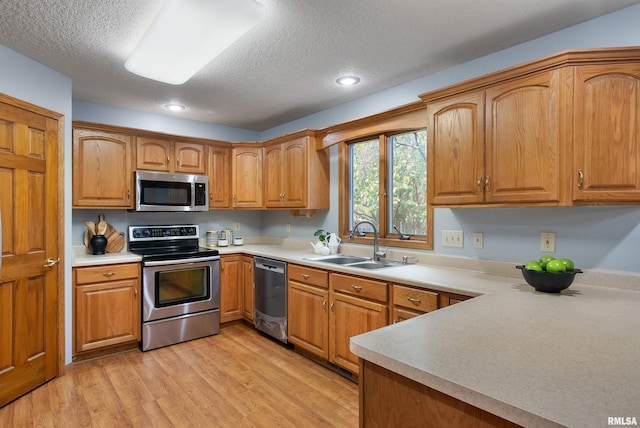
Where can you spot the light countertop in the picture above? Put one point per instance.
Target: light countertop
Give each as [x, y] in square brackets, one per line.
[537, 359]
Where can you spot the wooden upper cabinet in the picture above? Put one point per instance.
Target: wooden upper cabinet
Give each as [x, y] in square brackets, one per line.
[170, 156]
[296, 175]
[606, 132]
[455, 149]
[522, 140]
[246, 177]
[219, 172]
[499, 145]
[97, 156]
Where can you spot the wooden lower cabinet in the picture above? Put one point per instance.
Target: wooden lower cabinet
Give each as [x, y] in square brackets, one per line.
[448, 299]
[230, 288]
[358, 305]
[248, 289]
[388, 399]
[308, 319]
[106, 306]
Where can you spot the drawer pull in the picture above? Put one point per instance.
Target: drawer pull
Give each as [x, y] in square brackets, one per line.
[414, 300]
[356, 287]
[108, 274]
[305, 276]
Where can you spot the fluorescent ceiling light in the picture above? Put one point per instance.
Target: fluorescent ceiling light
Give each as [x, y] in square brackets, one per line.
[188, 34]
[347, 80]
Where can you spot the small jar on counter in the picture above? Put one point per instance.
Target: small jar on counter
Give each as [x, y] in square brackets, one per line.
[212, 238]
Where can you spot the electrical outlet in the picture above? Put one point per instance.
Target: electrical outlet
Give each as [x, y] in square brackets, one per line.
[288, 227]
[548, 242]
[452, 238]
[478, 240]
[237, 227]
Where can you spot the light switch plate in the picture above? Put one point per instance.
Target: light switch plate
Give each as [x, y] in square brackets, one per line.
[452, 238]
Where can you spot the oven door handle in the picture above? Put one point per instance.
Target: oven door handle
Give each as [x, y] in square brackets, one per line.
[180, 261]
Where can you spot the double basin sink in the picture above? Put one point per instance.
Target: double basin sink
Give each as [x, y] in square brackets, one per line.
[354, 261]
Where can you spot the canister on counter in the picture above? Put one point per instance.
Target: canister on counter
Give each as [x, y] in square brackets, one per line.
[228, 233]
[212, 238]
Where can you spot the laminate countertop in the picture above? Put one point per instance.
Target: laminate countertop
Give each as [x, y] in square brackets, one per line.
[536, 359]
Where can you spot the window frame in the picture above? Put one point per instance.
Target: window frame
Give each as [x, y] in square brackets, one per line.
[388, 238]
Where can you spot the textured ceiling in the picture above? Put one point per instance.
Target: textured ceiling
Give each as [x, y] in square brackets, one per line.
[285, 68]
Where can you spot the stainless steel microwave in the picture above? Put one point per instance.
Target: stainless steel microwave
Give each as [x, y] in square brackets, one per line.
[161, 191]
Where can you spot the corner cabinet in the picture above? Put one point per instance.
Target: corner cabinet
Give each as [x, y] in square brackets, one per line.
[606, 132]
[106, 310]
[248, 289]
[102, 169]
[246, 177]
[157, 154]
[296, 174]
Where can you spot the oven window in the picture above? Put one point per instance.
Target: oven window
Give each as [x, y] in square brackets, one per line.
[182, 286]
[165, 193]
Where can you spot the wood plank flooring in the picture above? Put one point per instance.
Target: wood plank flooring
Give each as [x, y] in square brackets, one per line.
[237, 378]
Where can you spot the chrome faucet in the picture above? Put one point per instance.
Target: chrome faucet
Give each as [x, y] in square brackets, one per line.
[377, 254]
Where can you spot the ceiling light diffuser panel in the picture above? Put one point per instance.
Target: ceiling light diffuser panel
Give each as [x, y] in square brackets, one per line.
[189, 34]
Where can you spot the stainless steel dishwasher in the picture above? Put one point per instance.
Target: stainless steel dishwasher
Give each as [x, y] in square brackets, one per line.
[271, 297]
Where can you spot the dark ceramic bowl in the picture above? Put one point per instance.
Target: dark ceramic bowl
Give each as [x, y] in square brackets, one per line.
[548, 282]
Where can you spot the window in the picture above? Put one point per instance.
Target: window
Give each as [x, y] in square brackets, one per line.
[385, 182]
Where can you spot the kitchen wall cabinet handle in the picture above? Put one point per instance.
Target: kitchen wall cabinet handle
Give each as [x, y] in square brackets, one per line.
[414, 300]
[221, 266]
[479, 184]
[108, 274]
[324, 306]
[168, 160]
[580, 179]
[135, 293]
[331, 307]
[487, 184]
[129, 194]
[356, 287]
[51, 262]
[305, 276]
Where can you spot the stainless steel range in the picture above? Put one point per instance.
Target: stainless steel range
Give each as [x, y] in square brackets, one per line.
[180, 284]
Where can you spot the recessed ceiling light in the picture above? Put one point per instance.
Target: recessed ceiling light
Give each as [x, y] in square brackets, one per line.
[347, 80]
[174, 107]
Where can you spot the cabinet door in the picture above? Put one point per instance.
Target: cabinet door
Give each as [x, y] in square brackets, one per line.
[523, 140]
[96, 157]
[606, 133]
[190, 158]
[248, 287]
[273, 173]
[309, 318]
[246, 170]
[153, 154]
[219, 177]
[107, 313]
[230, 288]
[351, 316]
[294, 179]
[455, 150]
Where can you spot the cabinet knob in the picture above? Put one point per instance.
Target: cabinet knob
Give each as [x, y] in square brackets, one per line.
[580, 179]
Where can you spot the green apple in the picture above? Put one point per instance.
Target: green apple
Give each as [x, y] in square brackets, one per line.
[533, 265]
[568, 264]
[555, 266]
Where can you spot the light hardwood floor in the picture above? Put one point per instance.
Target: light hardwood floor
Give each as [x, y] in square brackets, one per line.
[234, 379]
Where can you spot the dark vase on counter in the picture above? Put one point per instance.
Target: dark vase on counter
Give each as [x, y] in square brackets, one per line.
[98, 244]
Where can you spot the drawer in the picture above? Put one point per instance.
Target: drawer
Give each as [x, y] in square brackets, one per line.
[307, 275]
[104, 273]
[368, 288]
[416, 299]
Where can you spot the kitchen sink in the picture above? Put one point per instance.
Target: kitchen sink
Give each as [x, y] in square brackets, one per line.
[339, 259]
[354, 261]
